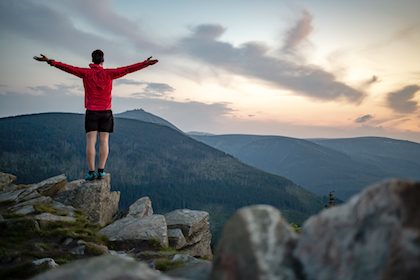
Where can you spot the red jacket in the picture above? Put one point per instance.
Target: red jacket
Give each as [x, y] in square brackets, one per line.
[98, 82]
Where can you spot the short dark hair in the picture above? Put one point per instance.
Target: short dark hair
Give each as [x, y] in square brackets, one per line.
[97, 56]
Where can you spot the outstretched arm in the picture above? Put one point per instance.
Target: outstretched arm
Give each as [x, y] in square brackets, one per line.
[151, 61]
[79, 72]
[122, 71]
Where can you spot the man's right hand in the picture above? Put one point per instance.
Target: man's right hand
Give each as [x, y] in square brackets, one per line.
[42, 58]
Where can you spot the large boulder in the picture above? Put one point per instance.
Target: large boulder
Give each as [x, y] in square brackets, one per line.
[104, 268]
[141, 208]
[195, 229]
[6, 179]
[136, 230]
[376, 235]
[256, 243]
[94, 198]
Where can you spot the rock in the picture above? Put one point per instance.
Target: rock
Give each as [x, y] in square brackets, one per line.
[185, 259]
[194, 226]
[65, 208]
[27, 209]
[138, 229]
[79, 250]
[256, 243]
[141, 208]
[45, 218]
[6, 179]
[176, 238]
[10, 195]
[376, 235]
[46, 262]
[48, 187]
[36, 247]
[71, 186]
[1, 218]
[30, 196]
[96, 200]
[197, 271]
[34, 225]
[92, 248]
[189, 221]
[104, 268]
[67, 241]
[42, 199]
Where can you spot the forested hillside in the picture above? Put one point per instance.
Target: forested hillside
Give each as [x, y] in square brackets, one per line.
[152, 160]
[344, 165]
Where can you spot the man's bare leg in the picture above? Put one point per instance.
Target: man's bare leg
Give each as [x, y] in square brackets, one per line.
[103, 149]
[90, 149]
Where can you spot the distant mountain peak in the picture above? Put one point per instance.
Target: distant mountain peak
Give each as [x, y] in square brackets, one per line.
[142, 115]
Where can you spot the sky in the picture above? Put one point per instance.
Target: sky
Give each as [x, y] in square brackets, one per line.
[302, 68]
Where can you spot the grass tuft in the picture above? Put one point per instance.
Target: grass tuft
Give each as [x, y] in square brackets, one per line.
[164, 264]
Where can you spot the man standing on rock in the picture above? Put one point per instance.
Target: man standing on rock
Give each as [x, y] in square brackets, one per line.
[97, 82]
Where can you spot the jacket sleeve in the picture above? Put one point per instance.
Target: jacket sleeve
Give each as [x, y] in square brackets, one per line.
[122, 71]
[77, 71]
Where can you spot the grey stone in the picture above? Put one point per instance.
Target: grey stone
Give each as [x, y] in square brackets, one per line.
[10, 195]
[11, 258]
[189, 221]
[195, 229]
[201, 248]
[102, 248]
[141, 208]
[1, 218]
[48, 187]
[46, 262]
[104, 268]
[256, 243]
[138, 229]
[27, 209]
[36, 247]
[176, 238]
[71, 185]
[79, 250]
[42, 199]
[187, 259]
[197, 271]
[67, 241]
[32, 195]
[376, 235]
[65, 208]
[6, 179]
[96, 200]
[48, 217]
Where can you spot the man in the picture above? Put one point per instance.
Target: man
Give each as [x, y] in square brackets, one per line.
[97, 82]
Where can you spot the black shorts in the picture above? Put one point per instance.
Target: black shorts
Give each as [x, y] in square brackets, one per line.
[101, 121]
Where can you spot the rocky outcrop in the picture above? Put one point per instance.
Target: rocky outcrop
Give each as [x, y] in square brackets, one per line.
[376, 235]
[6, 180]
[94, 198]
[104, 268]
[135, 230]
[194, 227]
[256, 243]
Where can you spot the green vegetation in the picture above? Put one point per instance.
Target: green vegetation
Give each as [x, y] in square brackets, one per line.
[164, 264]
[295, 227]
[47, 208]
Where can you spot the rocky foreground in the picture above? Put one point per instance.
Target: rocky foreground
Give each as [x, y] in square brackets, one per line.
[376, 235]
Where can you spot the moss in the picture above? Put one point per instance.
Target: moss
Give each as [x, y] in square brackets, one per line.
[91, 249]
[164, 264]
[168, 251]
[9, 216]
[154, 243]
[47, 246]
[295, 227]
[47, 208]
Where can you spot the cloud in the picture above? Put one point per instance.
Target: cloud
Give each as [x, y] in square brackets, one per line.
[299, 32]
[151, 89]
[42, 24]
[252, 60]
[364, 118]
[401, 101]
[61, 89]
